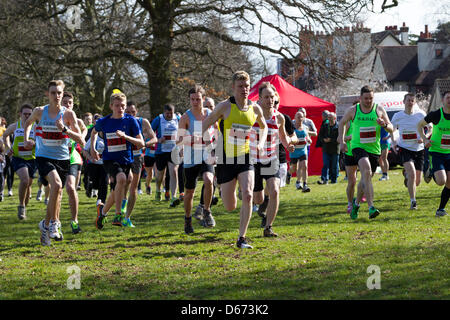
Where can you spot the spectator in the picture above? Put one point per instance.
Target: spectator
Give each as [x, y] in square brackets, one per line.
[330, 147]
[319, 144]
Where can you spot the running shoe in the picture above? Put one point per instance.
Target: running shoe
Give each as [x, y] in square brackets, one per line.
[214, 201]
[322, 182]
[117, 221]
[208, 219]
[10, 193]
[126, 222]
[355, 209]
[242, 243]
[198, 214]
[55, 230]
[288, 178]
[255, 208]
[188, 225]
[46, 201]
[140, 191]
[174, 202]
[45, 234]
[413, 205]
[75, 227]
[441, 213]
[167, 195]
[298, 185]
[268, 232]
[181, 197]
[349, 208]
[306, 188]
[101, 219]
[263, 207]
[384, 177]
[39, 195]
[21, 212]
[158, 195]
[373, 212]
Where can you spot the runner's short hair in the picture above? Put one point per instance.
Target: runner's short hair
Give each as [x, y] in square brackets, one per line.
[366, 89]
[197, 89]
[266, 85]
[26, 106]
[240, 75]
[87, 114]
[68, 94]
[55, 83]
[169, 107]
[410, 94]
[445, 92]
[131, 103]
[117, 96]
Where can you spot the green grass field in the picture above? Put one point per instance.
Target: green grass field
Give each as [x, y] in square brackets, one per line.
[320, 252]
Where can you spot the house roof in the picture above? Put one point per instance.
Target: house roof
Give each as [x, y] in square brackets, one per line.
[378, 37]
[427, 78]
[399, 62]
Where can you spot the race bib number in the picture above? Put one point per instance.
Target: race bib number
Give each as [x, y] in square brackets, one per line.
[169, 134]
[409, 136]
[52, 136]
[367, 134]
[115, 143]
[445, 141]
[301, 143]
[239, 134]
[22, 151]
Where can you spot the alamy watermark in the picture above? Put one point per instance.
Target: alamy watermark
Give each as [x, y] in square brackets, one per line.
[74, 279]
[374, 281]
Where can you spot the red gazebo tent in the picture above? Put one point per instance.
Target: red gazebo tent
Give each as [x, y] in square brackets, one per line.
[291, 99]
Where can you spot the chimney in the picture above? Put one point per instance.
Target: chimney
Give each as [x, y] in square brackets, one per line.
[425, 51]
[404, 34]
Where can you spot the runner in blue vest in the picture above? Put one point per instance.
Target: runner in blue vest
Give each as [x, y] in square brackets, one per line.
[120, 132]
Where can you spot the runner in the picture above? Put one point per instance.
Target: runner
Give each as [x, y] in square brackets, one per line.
[351, 167]
[267, 164]
[52, 153]
[299, 156]
[136, 167]
[149, 163]
[166, 126]
[73, 177]
[439, 145]
[367, 119]
[410, 145]
[23, 160]
[385, 143]
[195, 161]
[117, 155]
[237, 116]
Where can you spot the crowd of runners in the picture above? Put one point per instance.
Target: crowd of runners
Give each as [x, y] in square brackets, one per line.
[237, 147]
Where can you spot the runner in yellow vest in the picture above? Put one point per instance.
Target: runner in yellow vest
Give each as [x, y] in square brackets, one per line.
[237, 115]
[23, 159]
[439, 145]
[367, 119]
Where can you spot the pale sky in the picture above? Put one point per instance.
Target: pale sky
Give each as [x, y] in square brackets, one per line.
[416, 14]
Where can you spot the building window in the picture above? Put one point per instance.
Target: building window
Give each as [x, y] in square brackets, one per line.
[439, 53]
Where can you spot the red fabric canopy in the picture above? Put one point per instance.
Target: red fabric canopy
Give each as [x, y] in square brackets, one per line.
[291, 99]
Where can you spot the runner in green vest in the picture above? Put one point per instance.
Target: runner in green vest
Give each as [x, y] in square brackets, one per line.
[367, 119]
[23, 159]
[439, 145]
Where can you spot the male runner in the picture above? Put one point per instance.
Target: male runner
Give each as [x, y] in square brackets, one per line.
[56, 126]
[367, 119]
[410, 145]
[267, 164]
[165, 126]
[120, 132]
[196, 162]
[138, 161]
[237, 115]
[23, 160]
[73, 177]
[439, 145]
[299, 156]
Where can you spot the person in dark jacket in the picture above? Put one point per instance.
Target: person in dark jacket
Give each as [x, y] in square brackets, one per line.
[330, 147]
[319, 144]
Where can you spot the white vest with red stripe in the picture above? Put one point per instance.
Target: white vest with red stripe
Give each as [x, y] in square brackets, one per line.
[270, 151]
